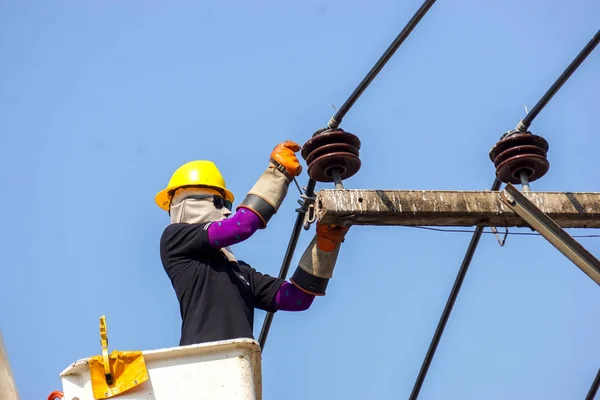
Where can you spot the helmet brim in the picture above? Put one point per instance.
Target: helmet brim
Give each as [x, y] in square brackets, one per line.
[163, 199]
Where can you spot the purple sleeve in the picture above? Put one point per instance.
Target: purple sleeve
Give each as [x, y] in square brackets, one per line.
[233, 230]
[239, 228]
[290, 298]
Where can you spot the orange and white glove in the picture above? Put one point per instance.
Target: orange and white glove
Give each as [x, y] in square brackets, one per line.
[269, 191]
[316, 265]
[329, 237]
[284, 154]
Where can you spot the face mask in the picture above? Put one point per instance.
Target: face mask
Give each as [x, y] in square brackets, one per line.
[196, 211]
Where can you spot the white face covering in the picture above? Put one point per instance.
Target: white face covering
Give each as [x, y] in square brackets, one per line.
[197, 211]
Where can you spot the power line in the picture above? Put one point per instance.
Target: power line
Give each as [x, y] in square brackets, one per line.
[594, 388]
[522, 126]
[287, 259]
[494, 233]
[334, 122]
[460, 277]
[589, 47]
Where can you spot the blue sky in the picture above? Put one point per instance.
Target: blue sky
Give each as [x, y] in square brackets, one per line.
[101, 101]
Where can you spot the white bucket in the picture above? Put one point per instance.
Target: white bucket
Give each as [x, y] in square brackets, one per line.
[223, 370]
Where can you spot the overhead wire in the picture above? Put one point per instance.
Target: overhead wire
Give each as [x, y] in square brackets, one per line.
[594, 388]
[334, 122]
[439, 330]
[589, 47]
[494, 233]
[523, 125]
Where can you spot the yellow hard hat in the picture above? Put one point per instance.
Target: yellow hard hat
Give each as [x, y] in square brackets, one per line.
[194, 173]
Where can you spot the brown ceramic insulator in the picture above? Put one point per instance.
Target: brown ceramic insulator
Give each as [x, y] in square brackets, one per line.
[517, 153]
[331, 149]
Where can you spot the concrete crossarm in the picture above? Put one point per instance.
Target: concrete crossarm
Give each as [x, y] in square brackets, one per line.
[450, 208]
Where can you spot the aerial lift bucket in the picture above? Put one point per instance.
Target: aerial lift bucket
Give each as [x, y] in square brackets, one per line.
[228, 369]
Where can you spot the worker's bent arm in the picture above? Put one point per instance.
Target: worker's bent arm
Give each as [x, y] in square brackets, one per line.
[317, 263]
[233, 230]
[290, 298]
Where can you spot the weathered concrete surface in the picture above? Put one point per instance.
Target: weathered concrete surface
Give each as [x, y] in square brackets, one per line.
[8, 389]
[451, 208]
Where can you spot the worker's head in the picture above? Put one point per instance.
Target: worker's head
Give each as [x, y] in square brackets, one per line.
[196, 193]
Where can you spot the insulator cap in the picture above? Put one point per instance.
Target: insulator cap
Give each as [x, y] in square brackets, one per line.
[517, 152]
[330, 149]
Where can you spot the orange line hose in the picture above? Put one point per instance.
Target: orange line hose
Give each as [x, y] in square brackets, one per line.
[56, 395]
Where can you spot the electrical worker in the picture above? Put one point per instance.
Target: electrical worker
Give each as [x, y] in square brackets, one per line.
[217, 293]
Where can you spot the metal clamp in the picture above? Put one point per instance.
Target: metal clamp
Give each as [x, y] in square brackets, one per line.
[310, 217]
[307, 204]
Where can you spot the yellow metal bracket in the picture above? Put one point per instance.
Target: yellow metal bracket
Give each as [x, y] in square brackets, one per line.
[117, 372]
[104, 344]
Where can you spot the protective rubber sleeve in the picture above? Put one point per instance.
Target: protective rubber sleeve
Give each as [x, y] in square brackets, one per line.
[267, 194]
[290, 298]
[233, 230]
[315, 269]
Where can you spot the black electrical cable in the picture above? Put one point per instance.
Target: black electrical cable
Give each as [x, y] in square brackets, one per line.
[450, 230]
[594, 389]
[287, 259]
[524, 124]
[334, 122]
[460, 277]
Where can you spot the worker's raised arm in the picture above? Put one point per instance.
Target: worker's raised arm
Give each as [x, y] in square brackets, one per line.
[269, 191]
[262, 201]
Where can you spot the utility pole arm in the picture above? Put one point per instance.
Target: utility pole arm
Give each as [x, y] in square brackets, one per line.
[451, 208]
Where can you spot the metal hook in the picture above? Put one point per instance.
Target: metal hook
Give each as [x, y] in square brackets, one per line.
[310, 216]
[307, 204]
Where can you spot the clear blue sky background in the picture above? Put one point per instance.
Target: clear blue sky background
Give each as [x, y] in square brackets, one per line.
[101, 101]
